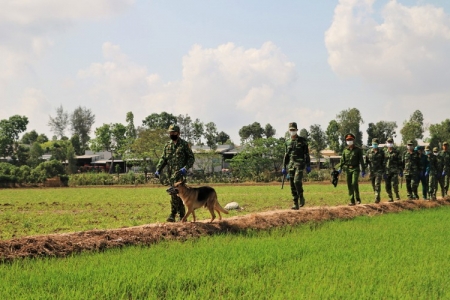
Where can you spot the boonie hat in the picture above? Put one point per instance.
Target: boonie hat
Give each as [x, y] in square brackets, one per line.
[410, 142]
[293, 126]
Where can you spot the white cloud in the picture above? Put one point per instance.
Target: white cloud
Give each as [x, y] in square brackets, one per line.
[228, 85]
[407, 53]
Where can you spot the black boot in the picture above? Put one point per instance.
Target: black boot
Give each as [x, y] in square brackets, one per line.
[171, 218]
[182, 212]
[302, 201]
[295, 206]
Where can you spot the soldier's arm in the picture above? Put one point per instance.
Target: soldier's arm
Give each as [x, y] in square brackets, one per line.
[307, 157]
[361, 161]
[162, 161]
[190, 158]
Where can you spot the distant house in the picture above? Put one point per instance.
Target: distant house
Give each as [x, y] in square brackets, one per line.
[100, 161]
[209, 160]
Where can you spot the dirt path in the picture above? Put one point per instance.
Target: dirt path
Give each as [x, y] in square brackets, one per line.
[61, 245]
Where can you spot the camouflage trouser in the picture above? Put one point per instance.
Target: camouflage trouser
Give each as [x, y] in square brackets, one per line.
[443, 182]
[177, 206]
[423, 179]
[296, 182]
[353, 185]
[391, 182]
[432, 186]
[375, 179]
[412, 183]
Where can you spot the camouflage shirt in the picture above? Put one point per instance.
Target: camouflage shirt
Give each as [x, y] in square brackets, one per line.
[392, 161]
[445, 161]
[375, 161]
[411, 163]
[352, 158]
[297, 153]
[176, 156]
[433, 164]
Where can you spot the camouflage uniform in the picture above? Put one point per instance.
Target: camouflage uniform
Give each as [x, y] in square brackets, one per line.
[411, 169]
[176, 155]
[351, 160]
[444, 176]
[296, 158]
[392, 165]
[423, 166]
[431, 173]
[375, 163]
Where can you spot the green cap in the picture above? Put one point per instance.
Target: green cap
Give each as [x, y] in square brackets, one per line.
[293, 126]
[375, 141]
[410, 142]
[173, 128]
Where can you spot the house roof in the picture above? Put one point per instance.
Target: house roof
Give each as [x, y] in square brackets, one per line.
[220, 149]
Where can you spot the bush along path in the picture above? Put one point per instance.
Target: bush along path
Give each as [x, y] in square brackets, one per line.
[62, 245]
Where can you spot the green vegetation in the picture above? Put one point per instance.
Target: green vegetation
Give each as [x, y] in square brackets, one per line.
[394, 256]
[26, 212]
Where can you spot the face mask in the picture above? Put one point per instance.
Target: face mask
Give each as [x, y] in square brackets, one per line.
[390, 145]
[349, 143]
[173, 137]
[374, 146]
[427, 152]
[293, 133]
[435, 153]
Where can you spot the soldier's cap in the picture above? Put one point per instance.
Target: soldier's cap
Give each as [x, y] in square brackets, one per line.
[375, 141]
[293, 126]
[174, 128]
[445, 143]
[410, 142]
[435, 149]
[349, 136]
[427, 148]
[390, 140]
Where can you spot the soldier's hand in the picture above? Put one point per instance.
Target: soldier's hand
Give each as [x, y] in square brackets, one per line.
[426, 173]
[444, 173]
[339, 171]
[363, 173]
[400, 174]
[308, 169]
[183, 171]
[384, 176]
[283, 171]
[157, 174]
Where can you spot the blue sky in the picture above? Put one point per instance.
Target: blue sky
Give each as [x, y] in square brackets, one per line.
[227, 62]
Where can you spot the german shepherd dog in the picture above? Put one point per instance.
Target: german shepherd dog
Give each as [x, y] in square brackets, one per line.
[194, 198]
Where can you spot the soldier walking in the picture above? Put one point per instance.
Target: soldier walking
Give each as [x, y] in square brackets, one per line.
[411, 169]
[444, 176]
[375, 163]
[178, 157]
[393, 166]
[351, 160]
[296, 158]
[423, 167]
[431, 173]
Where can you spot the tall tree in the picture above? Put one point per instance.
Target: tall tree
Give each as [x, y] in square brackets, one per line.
[333, 136]
[222, 138]
[76, 144]
[211, 135]
[131, 129]
[186, 127]
[111, 138]
[413, 128]
[317, 141]
[381, 130]
[9, 134]
[159, 121]
[59, 123]
[350, 121]
[251, 132]
[269, 131]
[440, 133]
[81, 122]
[198, 131]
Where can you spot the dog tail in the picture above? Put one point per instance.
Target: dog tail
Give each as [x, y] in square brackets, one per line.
[221, 209]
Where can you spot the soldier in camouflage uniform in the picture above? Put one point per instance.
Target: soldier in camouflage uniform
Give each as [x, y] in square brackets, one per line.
[411, 169]
[445, 163]
[393, 167]
[375, 163]
[351, 160]
[178, 157]
[423, 166]
[431, 173]
[296, 159]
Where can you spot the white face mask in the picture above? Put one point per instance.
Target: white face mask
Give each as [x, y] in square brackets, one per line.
[293, 133]
[349, 143]
[390, 145]
[435, 153]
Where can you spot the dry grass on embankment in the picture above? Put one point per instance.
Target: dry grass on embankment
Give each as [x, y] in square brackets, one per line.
[61, 245]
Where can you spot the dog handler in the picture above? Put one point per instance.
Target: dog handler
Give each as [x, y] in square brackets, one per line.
[178, 157]
[296, 158]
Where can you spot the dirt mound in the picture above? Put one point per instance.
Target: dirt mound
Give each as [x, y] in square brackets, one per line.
[61, 245]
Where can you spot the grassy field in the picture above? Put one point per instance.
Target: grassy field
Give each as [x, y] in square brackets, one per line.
[25, 212]
[394, 256]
